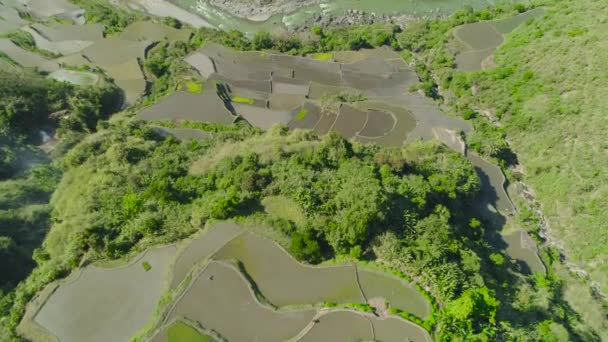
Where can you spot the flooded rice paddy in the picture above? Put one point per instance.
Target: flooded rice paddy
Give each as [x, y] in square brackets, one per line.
[61, 30]
[475, 42]
[220, 297]
[26, 58]
[397, 292]
[492, 184]
[340, 326]
[283, 281]
[201, 248]
[344, 325]
[270, 89]
[101, 304]
[522, 247]
[242, 278]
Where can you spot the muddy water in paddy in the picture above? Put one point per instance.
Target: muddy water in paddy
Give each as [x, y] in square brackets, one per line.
[520, 246]
[203, 247]
[284, 281]
[220, 299]
[107, 304]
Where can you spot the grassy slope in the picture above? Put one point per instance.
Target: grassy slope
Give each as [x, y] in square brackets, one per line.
[553, 108]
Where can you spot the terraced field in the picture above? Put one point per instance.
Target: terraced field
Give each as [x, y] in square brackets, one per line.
[268, 89]
[101, 304]
[223, 274]
[245, 264]
[478, 41]
[60, 28]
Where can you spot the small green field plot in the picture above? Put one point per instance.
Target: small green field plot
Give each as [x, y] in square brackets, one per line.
[302, 114]
[146, 265]
[397, 292]
[284, 281]
[243, 99]
[182, 332]
[323, 56]
[194, 87]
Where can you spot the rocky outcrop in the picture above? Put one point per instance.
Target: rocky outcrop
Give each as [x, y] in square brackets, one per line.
[352, 17]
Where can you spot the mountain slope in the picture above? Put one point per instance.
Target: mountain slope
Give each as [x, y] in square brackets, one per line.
[548, 89]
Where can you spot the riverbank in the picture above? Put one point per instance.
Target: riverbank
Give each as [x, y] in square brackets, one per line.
[259, 10]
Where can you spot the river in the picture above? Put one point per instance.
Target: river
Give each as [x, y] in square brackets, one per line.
[280, 22]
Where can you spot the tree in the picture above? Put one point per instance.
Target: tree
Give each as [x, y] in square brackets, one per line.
[304, 246]
[475, 305]
[262, 41]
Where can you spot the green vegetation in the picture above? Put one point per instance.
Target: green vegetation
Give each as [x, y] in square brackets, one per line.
[242, 99]
[172, 22]
[145, 189]
[411, 209]
[536, 93]
[111, 16]
[30, 102]
[182, 332]
[146, 265]
[26, 41]
[302, 114]
[554, 121]
[167, 69]
[331, 102]
[194, 87]
[323, 56]
[321, 42]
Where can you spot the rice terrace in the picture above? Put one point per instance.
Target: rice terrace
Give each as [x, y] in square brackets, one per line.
[315, 170]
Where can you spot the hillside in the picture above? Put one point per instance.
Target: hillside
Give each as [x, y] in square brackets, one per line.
[547, 89]
[392, 180]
